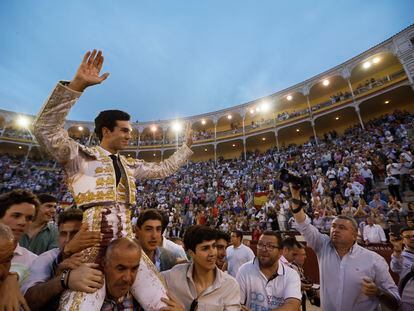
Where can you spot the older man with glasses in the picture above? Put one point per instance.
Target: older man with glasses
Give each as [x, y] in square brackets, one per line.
[267, 284]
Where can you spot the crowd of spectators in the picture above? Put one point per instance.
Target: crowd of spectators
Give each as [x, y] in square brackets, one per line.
[364, 175]
[348, 175]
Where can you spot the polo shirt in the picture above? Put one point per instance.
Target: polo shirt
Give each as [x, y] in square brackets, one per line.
[46, 239]
[259, 293]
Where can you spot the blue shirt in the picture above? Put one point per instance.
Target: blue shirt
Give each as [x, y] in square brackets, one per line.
[341, 279]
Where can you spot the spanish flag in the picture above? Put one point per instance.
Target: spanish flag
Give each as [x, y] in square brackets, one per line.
[260, 198]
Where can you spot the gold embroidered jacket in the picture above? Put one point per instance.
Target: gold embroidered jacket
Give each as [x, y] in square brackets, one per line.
[89, 170]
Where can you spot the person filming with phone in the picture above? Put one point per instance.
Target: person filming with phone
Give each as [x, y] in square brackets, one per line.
[351, 277]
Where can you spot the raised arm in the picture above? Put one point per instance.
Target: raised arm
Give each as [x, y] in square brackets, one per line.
[313, 237]
[88, 72]
[49, 125]
[142, 169]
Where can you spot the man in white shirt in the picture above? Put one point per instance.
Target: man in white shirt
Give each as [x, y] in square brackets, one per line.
[49, 273]
[237, 253]
[17, 211]
[373, 233]
[265, 283]
[169, 245]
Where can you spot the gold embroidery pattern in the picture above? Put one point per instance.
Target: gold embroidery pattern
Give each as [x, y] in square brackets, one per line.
[91, 197]
[103, 170]
[105, 182]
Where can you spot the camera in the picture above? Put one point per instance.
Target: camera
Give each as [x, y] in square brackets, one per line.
[288, 176]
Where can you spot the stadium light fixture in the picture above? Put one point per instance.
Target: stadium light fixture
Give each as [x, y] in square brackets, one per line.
[229, 116]
[258, 109]
[153, 128]
[366, 65]
[80, 128]
[264, 138]
[337, 118]
[203, 122]
[265, 106]
[376, 60]
[325, 82]
[205, 149]
[176, 126]
[289, 97]
[387, 102]
[23, 121]
[154, 154]
[234, 145]
[298, 130]
[252, 111]
[20, 147]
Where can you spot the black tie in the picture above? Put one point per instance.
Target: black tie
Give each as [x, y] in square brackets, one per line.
[116, 167]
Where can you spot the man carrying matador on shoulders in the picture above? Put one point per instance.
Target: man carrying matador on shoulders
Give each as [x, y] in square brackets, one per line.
[101, 180]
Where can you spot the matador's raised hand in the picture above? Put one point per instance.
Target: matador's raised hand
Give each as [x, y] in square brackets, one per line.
[88, 72]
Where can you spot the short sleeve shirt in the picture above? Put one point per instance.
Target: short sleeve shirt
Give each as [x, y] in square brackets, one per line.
[259, 293]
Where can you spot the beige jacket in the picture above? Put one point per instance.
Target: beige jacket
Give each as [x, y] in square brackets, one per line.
[89, 170]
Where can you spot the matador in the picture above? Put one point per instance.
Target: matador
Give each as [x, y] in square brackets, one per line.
[101, 180]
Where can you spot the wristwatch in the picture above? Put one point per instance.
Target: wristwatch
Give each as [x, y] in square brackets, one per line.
[63, 279]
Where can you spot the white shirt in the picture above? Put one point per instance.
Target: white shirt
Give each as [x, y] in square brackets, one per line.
[23, 256]
[374, 234]
[236, 257]
[22, 261]
[41, 269]
[259, 293]
[176, 249]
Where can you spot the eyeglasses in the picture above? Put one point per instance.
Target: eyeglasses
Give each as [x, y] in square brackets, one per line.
[408, 236]
[269, 247]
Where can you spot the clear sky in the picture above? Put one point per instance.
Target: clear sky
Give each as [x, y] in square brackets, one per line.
[175, 58]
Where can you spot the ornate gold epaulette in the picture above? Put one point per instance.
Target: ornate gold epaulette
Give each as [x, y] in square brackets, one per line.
[130, 161]
[89, 151]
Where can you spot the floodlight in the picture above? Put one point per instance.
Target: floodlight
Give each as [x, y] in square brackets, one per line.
[23, 121]
[325, 82]
[376, 60]
[289, 97]
[366, 65]
[229, 116]
[265, 106]
[176, 126]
